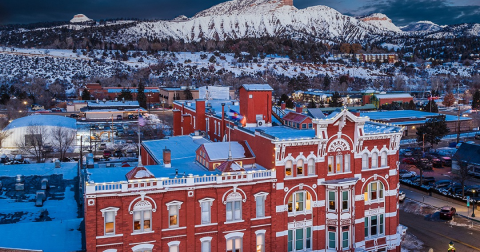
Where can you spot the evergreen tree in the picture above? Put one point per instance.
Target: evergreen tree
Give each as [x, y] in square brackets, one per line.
[326, 82]
[476, 100]
[431, 106]
[86, 95]
[188, 94]
[141, 97]
[432, 131]
[335, 101]
[374, 100]
[411, 105]
[126, 94]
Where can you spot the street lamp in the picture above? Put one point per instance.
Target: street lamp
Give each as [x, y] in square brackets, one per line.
[473, 203]
[451, 248]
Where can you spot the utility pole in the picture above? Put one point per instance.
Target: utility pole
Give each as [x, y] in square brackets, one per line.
[458, 113]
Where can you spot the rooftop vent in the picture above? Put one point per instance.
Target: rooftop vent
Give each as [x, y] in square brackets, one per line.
[40, 197]
[19, 185]
[44, 184]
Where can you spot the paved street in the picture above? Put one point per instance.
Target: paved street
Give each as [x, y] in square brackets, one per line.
[425, 224]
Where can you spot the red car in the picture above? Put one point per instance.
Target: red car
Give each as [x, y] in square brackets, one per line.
[409, 161]
[447, 212]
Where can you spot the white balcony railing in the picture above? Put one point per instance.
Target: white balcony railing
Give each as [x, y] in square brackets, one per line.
[162, 183]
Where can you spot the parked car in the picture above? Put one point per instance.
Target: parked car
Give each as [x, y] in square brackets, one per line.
[455, 189]
[92, 127]
[477, 136]
[74, 115]
[404, 174]
[447, 212]
[447, 161]
[114, 127]
[102, 146]
[107, 154]
[131, 133]
[408, 153]
[427, 164]
[119, 117]
[437, 163]
[125, 126]
[425, 180]
[401, 196]
[118, 153]
[443, 183]
[101, 127]
[409, 161]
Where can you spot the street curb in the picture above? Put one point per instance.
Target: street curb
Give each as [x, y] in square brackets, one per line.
[464, 216]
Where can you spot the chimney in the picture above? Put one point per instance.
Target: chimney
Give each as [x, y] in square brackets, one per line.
[299, 108]
[167, 158]
[283, 105]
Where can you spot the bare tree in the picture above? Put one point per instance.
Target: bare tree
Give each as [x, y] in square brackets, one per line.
[462, 174]
[62, 140]
[33, 143]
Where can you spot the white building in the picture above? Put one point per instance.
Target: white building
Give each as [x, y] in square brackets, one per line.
[21, 129]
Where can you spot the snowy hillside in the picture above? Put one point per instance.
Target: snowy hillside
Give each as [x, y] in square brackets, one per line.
[381, 21]
[422, 26]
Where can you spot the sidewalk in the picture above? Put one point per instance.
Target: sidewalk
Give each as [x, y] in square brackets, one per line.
[439, 201]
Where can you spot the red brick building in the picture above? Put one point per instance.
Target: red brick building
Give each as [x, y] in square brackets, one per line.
[387, 98]
[331, 187]
[110, 93]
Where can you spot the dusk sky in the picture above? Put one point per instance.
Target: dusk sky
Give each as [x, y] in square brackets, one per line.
[401, 12]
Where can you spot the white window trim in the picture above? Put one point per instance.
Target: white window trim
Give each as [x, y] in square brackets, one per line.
[174, 203]
[383, 164]
[378, 199]
[143, 246]
[365, 158]
[257, 233]
[308, 167]
[233, 235]
[328, 239]
[173, 244]
[206, 200]
[348, 200]
[206, 239]
[294, 237]
[261, 196]
[109, 209]
[233, 211]
[348, 240]
[110, 250]
[369, 222]
[376, 160]
[328, 201]
[291, 169]
[305, 211]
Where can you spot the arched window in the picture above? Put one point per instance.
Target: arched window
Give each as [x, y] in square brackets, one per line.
[288, 168]
[300, 202]
[142, 216]
[300, 167]
[365, 161]
[374, 160]
[383, 159]
[311, 166]
[374, 191]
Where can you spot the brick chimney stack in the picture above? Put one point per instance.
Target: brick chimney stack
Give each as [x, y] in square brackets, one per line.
[167, 158]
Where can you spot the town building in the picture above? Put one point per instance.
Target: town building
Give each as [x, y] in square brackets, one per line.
[412, 119]
[231, 181]
[385, 99]
[110, 93]
[111, 110]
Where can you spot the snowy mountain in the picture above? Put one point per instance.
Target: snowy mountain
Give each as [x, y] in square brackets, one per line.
[422, 26]
[381, 21]
[259, 18]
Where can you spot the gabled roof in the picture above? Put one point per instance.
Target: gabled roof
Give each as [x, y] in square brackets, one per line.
[469, 153]
[316, 113]
[257, 87]
[295, 117]
[139, 172]
[230, 166]
[219, 150]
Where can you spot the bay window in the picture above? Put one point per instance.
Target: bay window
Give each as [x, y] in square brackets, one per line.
[345, 201]
[332, 205]
[332, 238]
[345, 240]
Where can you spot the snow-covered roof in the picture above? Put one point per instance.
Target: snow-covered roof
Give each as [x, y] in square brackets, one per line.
[295, 117]
[379, 128]
[316, 113]
[132, 90]
[219, 150]
[285, 133]
[113, 104]
[69, 170]
[393, 96]
[257, 87]
[43, 120]
[408, 117]
[214, 106]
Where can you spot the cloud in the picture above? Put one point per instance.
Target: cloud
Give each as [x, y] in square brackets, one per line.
[441, 12]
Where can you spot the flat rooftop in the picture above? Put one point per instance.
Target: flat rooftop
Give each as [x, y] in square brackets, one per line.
[213, 106]
[52, 227]
[182, 149]
[407, 117]
[113, 104]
